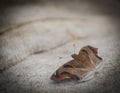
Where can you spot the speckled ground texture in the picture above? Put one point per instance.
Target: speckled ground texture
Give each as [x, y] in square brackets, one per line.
[35, 34]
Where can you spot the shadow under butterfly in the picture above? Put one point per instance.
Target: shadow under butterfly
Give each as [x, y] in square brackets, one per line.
[82, 68]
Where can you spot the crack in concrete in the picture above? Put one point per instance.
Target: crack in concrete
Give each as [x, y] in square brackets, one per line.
[36, 52]
[13, 27]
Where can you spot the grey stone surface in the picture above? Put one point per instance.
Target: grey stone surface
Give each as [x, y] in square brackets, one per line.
[34, 36]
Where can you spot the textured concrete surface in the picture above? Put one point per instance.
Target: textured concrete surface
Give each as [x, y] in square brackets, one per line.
[33, 37]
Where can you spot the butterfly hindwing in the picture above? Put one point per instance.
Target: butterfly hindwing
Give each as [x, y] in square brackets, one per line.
[81, 67]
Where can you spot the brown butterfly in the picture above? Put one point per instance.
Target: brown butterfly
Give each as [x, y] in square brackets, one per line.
[81, 68]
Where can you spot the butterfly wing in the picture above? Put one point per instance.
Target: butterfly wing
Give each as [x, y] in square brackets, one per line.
[81, 67]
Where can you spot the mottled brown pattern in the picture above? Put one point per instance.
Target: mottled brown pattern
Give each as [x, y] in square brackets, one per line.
[80, 66]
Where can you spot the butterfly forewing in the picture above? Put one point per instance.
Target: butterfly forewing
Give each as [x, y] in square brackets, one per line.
[80, 67]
